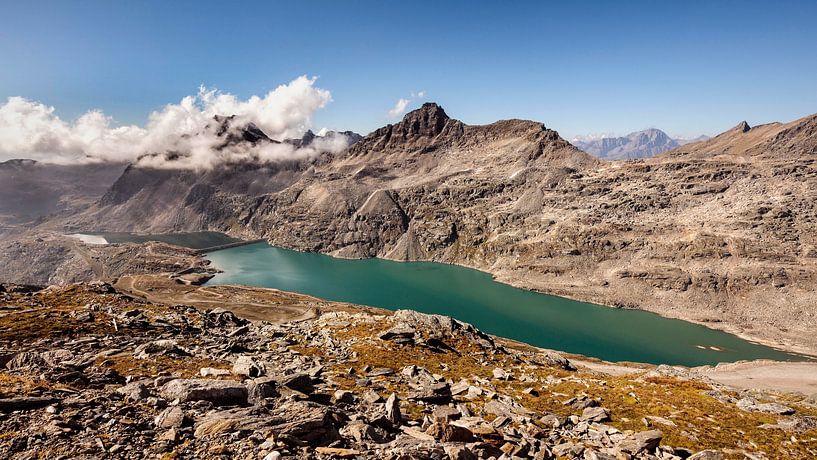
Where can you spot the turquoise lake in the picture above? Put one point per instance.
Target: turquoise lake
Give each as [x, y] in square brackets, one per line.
[473, 296]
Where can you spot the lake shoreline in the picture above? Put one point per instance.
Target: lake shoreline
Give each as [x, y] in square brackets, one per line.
[519, 282]
[580, 336]
[768, 375]
[722, 326]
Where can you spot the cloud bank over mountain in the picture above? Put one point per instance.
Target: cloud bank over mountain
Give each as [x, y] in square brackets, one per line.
[187, 129]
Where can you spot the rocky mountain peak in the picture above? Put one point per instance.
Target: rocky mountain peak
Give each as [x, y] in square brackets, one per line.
[308, 137]
[639, 144]
[423, 129]
[427, 121]
[234, 134]
[304, 140]
[742, 127]
[653, 133]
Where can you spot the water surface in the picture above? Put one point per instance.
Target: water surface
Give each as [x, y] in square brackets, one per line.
[472, 296]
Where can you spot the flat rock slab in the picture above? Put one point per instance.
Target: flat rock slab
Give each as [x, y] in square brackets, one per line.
[25, 403]
[800, 377]
[219, 392]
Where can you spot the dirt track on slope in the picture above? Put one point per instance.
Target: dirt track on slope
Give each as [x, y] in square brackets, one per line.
[250, 303]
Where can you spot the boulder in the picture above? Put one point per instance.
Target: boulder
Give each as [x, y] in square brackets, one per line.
[248, 367]
[172, 417]
[362, 432]
[446, 432]
[371, 397]
[297, 382]
[645, 441]
[751, 405]
[398, 333]
[135, 391]
[159, 347]
[260, 389]
[25, 360]
[501, 374]
[343, 397]
[25, 403]
[393, 410]
[213, 372]
[595, 455]
[459, 453]
[437, 393]
[595, 414]
[221, 317]
[219, 392]
[305, 421]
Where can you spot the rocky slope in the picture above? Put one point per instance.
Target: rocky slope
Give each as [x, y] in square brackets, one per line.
[48, 258]
[30, 190]
[719, 232]
[89, 372]
[640, 144]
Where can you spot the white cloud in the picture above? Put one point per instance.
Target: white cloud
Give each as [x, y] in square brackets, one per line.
[400, 106]
[31, 129]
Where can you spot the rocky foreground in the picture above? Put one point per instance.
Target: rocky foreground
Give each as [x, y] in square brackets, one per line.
[89, 372]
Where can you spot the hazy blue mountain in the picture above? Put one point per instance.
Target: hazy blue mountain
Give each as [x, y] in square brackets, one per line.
[640, 144]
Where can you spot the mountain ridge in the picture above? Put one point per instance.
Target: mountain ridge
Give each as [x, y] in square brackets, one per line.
[638, 144]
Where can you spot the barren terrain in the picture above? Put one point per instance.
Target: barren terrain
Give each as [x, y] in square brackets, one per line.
[91, 372]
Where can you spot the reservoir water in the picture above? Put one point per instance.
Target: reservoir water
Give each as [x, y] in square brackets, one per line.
[473, 296]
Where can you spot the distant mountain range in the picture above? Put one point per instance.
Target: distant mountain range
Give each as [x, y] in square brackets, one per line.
[640, 144]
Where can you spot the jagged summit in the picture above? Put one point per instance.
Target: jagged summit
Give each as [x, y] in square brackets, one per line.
[776, 141]
[428, 120]
[234, 135]
[742, 127]
[310, 137]
[424, 129]
[429, 128]
[304, 140]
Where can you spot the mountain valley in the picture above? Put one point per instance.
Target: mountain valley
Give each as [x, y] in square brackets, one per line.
[718, 232]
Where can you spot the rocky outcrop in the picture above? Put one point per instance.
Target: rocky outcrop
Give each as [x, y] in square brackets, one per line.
[425, 129]
[217, 392]
[49, 258]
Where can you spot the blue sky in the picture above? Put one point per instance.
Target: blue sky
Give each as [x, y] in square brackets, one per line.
[580, 67]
